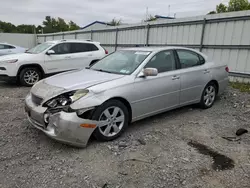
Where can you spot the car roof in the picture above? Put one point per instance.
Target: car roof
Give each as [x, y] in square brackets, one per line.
[158, 49]
[155, 48]
[72, 40]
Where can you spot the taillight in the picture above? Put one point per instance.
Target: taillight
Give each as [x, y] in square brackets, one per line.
[227, 69]
[106, 51]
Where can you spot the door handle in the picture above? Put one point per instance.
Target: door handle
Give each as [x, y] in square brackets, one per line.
[90, 55]
[175, 77]
[67, 57]
[206, 71]
[9, 51]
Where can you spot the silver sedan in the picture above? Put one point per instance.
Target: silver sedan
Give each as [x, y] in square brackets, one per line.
[7, 49]
[125, 86]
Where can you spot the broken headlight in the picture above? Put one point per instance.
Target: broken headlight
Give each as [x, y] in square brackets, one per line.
[66, 98]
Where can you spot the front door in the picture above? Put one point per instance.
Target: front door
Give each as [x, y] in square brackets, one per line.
[157, 93]
[61, 60]
[194, 76]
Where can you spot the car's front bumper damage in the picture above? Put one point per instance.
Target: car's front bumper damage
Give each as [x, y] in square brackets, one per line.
[62, 126]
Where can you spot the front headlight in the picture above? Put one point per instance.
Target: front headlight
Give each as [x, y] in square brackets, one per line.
[66, 98]
[79, 94]
[9, 61]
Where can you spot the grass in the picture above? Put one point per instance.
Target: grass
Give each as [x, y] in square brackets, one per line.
[243, 87]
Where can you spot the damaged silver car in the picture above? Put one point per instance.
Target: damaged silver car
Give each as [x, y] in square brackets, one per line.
[125, 86]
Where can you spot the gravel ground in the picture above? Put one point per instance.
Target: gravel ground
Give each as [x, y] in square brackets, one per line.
[162, 151]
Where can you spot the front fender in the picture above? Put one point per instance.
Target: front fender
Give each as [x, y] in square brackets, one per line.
[88, 102]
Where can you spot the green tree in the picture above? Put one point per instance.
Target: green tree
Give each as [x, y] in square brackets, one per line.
[115, 22]
[25, 28]
[212, 12]
[151, 18]
[73, 26]
[50, 25]
[238, 5]
[7, 27]
[221, 8]
[233, 5]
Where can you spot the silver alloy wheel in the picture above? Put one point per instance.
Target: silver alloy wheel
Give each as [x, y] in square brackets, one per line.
[111, 121]
[31, 77]
[209, 95]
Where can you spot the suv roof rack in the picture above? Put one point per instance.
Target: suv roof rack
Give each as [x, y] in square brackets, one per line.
[77, 39]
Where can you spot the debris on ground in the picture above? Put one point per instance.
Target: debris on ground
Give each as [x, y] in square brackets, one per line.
[141, 141]
[233, 139]
[241, 131]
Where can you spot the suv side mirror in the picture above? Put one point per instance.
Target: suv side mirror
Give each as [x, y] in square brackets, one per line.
[148, 72]
[50, 52]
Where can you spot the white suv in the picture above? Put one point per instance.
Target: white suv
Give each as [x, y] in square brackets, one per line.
[49, 58]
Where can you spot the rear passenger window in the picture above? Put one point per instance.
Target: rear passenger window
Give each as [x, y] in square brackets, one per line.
[9, 47]
[4, 46]
[83, 47]
[189, 58]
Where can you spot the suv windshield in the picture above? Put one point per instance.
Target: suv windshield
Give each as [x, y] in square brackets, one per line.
[121, 62]
[40, 48]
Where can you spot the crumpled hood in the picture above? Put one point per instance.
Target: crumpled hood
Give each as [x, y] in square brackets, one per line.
[80, 79]
[69, 81]
[19, 56]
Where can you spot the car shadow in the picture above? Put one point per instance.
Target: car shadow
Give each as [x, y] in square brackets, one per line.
[9, 85]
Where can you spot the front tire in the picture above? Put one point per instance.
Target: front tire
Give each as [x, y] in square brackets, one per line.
[208, 96]
[113, 117]
[29, 76]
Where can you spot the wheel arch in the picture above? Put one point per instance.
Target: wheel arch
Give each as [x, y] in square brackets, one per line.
[215, 82]
[33, 65]
[126, 103]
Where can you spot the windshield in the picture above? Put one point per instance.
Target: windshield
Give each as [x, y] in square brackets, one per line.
[40, 48]
[121, 62]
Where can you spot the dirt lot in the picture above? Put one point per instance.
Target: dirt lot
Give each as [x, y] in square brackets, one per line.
[181, 148]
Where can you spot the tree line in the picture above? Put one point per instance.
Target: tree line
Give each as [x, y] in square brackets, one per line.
[49, 25]
[233, 5]
[52, 25]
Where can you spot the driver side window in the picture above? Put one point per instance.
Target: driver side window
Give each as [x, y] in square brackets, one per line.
[163, 61]
[63, 48]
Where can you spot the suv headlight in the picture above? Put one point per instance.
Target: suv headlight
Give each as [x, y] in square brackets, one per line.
[66, 98]
[9, 61]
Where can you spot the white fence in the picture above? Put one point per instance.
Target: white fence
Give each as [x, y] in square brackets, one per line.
[23, 40]
[223, 37]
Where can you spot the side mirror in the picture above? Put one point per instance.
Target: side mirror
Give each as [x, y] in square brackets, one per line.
[50, 52]
[148, 72]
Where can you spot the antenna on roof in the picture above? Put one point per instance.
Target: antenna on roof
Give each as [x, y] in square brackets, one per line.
[168, 10]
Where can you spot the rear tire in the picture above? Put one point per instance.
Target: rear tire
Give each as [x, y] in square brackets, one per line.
[29, 76]
[114, 116]
[208, 96]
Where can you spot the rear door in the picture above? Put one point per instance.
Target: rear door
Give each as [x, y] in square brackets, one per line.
[6, 49]
[82, 54]
[194, 76]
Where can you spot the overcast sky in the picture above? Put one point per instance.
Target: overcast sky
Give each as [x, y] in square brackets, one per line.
[84, 12]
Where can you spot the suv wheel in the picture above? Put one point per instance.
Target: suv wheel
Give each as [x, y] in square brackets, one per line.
[29, 76]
